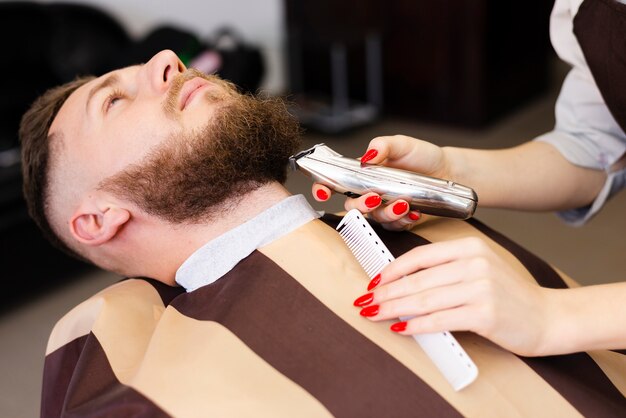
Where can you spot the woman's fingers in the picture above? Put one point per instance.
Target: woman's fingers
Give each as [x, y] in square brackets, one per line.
[438, 276]
[474, 250]
[425, 302]
[394, 216]
[461, 285]
[392, 147]
[391, 212]
[320, 192]
[405, 222]
[460, 318]
[407, 153]
[365, 204]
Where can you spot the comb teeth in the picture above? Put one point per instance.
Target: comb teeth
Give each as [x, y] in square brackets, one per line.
[371, 253]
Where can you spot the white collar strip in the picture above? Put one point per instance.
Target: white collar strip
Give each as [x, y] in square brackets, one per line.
[220, 255]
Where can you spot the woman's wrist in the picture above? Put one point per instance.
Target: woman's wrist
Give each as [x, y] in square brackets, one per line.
[453, 164]
[584, 318]
[558, 333]
[469, 168]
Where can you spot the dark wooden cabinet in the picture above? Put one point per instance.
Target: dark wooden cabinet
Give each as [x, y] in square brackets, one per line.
[464, 62]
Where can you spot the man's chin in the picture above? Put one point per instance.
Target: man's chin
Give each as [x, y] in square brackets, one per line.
[247, 142]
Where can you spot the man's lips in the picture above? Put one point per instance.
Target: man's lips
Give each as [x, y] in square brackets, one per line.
[189, 91]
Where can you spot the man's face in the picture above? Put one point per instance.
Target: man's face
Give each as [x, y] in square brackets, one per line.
[116, 119]
[173, 142]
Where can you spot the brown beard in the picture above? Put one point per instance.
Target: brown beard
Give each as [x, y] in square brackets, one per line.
[196, 177]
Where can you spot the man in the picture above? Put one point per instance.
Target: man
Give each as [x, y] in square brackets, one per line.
[96, 121]
[157, 171]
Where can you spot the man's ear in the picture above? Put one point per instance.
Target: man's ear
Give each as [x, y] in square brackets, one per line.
[97, 221]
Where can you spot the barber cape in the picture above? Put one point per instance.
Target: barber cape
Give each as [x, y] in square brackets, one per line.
[277, 336]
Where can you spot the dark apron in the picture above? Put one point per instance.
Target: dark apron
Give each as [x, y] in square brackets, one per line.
[600, 27]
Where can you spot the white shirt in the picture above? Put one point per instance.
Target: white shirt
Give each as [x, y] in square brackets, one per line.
[585, 133]
[220, 255]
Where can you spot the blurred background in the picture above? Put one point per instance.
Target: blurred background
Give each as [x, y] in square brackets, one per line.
[477, 73]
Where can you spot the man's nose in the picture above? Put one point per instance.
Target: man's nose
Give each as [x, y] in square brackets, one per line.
[162, 69]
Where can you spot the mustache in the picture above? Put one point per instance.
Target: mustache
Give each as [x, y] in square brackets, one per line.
[171, 100]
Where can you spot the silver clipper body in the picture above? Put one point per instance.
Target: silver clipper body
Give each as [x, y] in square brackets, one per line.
[348, 176]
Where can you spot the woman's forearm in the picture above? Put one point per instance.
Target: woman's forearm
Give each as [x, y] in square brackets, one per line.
[586, 318]
[532, 176]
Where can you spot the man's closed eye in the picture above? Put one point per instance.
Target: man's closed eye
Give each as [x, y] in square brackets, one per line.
[112, 99]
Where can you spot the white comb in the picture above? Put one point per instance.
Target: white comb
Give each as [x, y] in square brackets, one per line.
[441, 347]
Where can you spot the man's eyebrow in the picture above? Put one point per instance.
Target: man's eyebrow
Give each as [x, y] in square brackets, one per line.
[109, 81]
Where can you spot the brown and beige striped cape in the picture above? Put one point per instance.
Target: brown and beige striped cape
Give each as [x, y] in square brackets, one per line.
[278, 337]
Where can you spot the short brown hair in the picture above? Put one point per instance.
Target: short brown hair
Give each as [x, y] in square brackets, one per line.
[35, 143]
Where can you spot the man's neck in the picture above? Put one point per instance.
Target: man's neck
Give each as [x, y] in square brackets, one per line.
[168, 246]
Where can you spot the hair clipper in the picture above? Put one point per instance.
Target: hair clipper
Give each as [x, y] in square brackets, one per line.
[348, 176]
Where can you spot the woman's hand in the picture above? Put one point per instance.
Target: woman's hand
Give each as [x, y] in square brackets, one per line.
[532, 176]
[399, 152]
[462, 285]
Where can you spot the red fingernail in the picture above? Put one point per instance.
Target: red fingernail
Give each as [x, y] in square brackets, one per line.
[414, 216]
[364, 300]
[321, 194]
[373, 201]
[371, 153]
[374, 282]
[400, 207]
[398, 326]
[369, 311]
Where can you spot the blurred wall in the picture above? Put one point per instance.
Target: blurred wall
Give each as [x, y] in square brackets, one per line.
[260, 22]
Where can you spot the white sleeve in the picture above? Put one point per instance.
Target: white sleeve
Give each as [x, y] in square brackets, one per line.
[585, 133]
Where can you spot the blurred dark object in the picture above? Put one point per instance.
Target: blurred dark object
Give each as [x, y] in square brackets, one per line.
[45, 45]
[232, 58]
[335, 63]
[450, 61]
[82, 40]
[184, 43]
[241, 63]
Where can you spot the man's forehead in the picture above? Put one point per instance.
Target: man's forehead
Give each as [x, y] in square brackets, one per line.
[72, 112]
